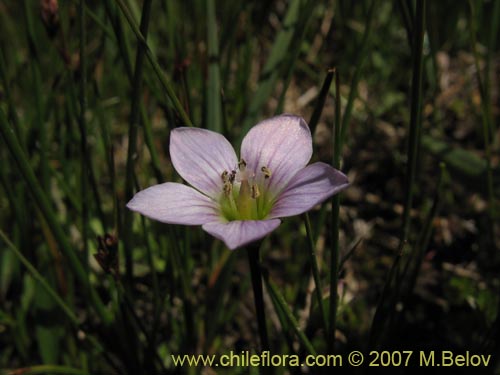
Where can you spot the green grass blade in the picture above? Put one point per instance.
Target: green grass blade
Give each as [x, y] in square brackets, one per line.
[132, 138]
[292, 322]
[315, 271]
[214, 107]
[320, 103]
[43, 203]
[273, 66]
[415, 117]
[156, 66]
[416, 257]
[83, 132]
[41, 280]
[486, 117]
[362, 53]
[253, 252]
[334, 256]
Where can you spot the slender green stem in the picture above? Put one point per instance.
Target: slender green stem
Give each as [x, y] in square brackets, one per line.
[417, 256]
[156, 67]
[292, 322]
[38, 277]
[41, 199]
[384, 314]
[83, 133]
[126, 58]
[132, 138]
[315, 272]
[416, 118]
[334, 259]
[57, 299]
[323, 94]
[487, 123]
[357, 72]
[256, 274]
[8, 98]
[214, 106]
[220, 288]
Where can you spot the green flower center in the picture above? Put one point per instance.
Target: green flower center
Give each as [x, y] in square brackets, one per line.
[245, 196]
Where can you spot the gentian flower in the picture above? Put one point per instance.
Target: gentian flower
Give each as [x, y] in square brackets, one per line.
[241, 200]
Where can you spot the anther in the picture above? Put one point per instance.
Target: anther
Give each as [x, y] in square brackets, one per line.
[228, 188]
[255, 193]
[266, 171]
[232, 176]
[242, 164]
[224, 176]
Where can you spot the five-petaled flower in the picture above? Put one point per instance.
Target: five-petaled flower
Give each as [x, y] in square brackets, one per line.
[241, 200]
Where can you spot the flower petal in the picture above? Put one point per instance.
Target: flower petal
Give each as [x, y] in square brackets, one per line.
[200, 156]
[310, 186]
[174, 203]
[283, 144]
[238, 233]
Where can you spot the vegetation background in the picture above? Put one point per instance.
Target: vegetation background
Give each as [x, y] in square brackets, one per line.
[89, 91]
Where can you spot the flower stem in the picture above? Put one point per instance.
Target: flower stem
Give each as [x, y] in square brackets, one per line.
[253, 252]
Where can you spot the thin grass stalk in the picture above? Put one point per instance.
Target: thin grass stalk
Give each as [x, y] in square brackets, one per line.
[139, 324]
[384, 309]
[415, 261]
[323, 94]
[50, 291]
[156, 67]
[214, 107]
[148, 140]
[132, 138]
[486, 118]
[253, 252]
[154, 276]
[287, 331]
[43, 203]
[97, 21]
[37, 94]
[125, 53]
[185, 291]
[315, 271]
[292, 322]
[221, 287]
[8, 98]
[353, 91]
[492, 40]
[273, 65]
[334, 257]
[83, 133]
[122, 41]
[305, 15]
[38, 277]
[407, 20]
[109, 157]
[392, 289]
[415, 117]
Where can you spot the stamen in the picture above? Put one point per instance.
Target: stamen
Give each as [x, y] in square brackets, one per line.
[224, 176]
[242, 165]
[255, 193]
[232, 176]
[266, 171]
[228, 188]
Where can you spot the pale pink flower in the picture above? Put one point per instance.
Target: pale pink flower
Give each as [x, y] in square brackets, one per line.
[241, 200]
